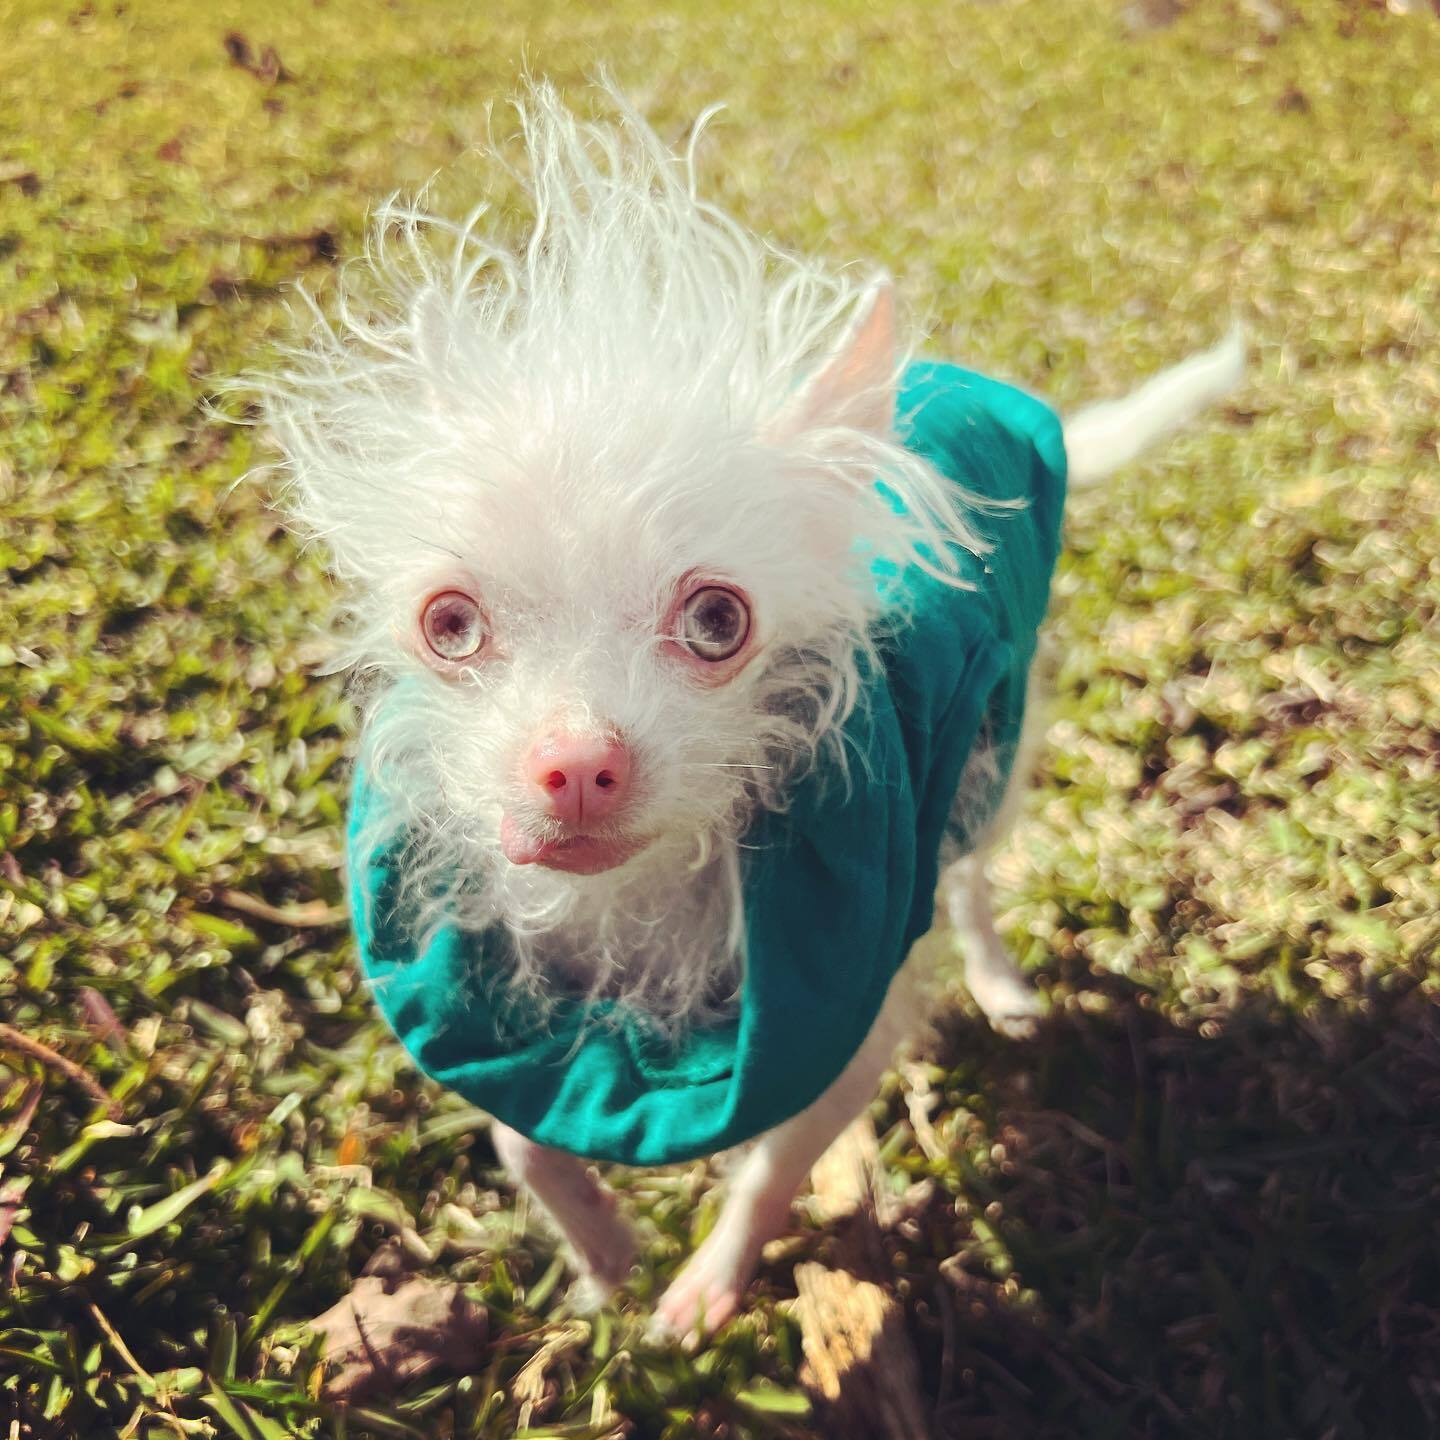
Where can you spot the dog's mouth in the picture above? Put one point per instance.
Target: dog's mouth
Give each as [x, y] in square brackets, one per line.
[577, 853]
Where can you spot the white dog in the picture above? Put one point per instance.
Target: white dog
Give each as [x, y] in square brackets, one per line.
[634, 524]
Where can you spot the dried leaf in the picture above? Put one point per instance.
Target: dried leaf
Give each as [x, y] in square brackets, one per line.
[378, 1339]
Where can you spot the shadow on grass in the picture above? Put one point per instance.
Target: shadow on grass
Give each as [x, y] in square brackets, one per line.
[1229, 1230]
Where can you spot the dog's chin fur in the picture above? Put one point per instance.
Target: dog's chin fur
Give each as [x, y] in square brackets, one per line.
[659, 935]
[574, 423]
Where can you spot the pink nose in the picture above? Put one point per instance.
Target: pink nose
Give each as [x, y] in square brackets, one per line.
[579, 779]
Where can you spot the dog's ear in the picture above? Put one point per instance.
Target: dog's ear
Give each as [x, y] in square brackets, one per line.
[855, 385]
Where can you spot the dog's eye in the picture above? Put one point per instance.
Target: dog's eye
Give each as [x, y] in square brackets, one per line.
[714, 624]
[454, 625]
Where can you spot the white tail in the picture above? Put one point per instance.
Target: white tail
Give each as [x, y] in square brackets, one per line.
[1103, 437]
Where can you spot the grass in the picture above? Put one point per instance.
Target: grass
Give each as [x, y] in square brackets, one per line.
[1204, 1204]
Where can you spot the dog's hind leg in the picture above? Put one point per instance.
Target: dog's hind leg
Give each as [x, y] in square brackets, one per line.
[1006, 998]
[581, 1206]
[708, 1290]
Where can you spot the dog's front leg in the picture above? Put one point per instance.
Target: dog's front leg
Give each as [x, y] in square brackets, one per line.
[708, 1290]
[581, 1206]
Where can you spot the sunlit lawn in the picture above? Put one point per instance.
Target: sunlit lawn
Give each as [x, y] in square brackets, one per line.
[1206, 1202]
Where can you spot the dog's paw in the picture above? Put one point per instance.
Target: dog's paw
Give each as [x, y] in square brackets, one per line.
[1011, 1006]
[603, 1246]
[590, 1292]
[708, 1290]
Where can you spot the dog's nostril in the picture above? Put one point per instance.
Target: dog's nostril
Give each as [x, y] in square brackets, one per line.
[555, 780]
[604, 780]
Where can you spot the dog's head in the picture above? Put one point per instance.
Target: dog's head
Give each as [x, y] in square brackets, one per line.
[607, 504]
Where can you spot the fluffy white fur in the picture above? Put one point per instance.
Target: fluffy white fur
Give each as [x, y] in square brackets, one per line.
[637, 391]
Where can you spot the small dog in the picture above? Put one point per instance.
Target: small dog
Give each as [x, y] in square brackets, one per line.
[651, 568]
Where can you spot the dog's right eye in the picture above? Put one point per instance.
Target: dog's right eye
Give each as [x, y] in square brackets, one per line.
[453, 625]
[714, 623]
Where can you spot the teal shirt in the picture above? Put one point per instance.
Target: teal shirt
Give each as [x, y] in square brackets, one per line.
[835, 890]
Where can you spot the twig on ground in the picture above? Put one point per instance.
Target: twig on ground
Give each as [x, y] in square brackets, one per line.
[316, 915]
[13, 1039]
[117, 1341]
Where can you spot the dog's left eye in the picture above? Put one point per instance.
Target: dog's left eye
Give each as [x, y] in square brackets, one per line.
[454, 625]
[714, 624]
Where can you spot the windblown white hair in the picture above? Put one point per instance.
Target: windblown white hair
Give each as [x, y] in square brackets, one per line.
[638, 391]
